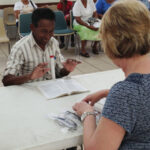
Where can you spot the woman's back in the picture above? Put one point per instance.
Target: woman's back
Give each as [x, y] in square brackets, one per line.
[128, 104]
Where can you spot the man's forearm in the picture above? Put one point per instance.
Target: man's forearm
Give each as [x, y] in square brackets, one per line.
[15, 80]
[64, 72]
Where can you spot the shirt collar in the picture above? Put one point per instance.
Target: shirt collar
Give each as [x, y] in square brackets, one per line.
[33, 42]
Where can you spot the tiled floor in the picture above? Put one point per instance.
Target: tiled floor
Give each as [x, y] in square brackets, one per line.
[93, 64]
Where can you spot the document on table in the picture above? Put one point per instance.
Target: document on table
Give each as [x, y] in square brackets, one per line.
[61, 87]
[97, 24]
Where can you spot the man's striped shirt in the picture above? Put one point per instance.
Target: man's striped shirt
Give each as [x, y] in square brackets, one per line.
[26, 55]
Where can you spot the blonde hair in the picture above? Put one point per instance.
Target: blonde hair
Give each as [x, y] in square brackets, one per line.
[125, 29]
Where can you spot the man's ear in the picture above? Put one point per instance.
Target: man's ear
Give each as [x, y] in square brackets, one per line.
[32, 27]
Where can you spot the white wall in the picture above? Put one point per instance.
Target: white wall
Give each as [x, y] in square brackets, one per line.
[11, 2]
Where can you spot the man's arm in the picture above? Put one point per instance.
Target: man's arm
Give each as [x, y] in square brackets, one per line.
[15, 80]
[38, 72]
[17, 12]
[64, 72]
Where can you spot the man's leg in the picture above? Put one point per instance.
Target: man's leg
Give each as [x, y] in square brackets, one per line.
[62, 45]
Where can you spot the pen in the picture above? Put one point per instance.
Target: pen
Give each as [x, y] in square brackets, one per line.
[52, 57]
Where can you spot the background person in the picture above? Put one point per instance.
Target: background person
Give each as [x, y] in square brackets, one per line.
[147, 3]
[23, 6]
[82, 11]
[102, 6]
[65, 6]
[30, 57]
[125, 121]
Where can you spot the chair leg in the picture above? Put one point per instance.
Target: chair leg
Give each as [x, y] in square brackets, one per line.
[67, 42]
[9, 47]
[100, 48]
[76, 46]
[81, 147]
[78, 43]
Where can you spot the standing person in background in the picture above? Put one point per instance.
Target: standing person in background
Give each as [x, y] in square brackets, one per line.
[23, 6]
[102, 6]
[125, 118]
[65, 6]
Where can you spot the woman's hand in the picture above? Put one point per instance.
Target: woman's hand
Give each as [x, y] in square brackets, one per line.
[82, 107]
[93, 98]
[92, 28]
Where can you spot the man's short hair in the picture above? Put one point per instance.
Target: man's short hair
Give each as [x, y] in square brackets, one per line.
[125, 29]
[42, 13]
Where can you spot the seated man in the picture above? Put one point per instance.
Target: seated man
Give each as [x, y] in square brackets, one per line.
[30, 58]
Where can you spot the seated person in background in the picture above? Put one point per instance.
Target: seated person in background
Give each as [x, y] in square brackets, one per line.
[65, 6]
[23, 6]
[102, 6]
[147, 3]
[94, 1]
[125, 118]
[82, 11]
[30, 58]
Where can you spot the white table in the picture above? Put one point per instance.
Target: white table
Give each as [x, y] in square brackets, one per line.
[24, 124]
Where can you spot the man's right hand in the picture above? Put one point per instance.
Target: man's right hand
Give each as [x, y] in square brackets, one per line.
[95, 97]
[39, 71]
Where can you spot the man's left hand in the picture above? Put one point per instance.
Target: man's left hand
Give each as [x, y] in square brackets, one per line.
[70, 64]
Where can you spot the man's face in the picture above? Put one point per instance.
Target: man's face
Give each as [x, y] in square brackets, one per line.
[43, 32]
[24, 1]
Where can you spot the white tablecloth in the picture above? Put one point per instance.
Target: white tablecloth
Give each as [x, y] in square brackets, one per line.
[24, 124]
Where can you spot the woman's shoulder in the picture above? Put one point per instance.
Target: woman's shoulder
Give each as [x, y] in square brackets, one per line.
[19, 3]
[69, 3]
[91, 2]
[77, 4]
[134, 84]
[126, 87]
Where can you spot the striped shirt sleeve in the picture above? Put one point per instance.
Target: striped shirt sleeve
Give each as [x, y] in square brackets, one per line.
[15, 62]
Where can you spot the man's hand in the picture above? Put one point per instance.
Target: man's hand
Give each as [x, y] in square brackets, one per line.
[39, 71]
[93, 98]
[70, 64]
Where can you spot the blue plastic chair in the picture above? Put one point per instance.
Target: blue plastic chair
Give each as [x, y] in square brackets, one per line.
[24, 24]
[61, 28]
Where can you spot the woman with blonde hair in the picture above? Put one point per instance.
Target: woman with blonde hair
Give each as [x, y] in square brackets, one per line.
[125, 121]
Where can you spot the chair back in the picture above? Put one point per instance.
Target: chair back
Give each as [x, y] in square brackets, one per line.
[53, 7]
[24, 24]
[9, 16]
[3, 36]
[60, 22]
[71, 19]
